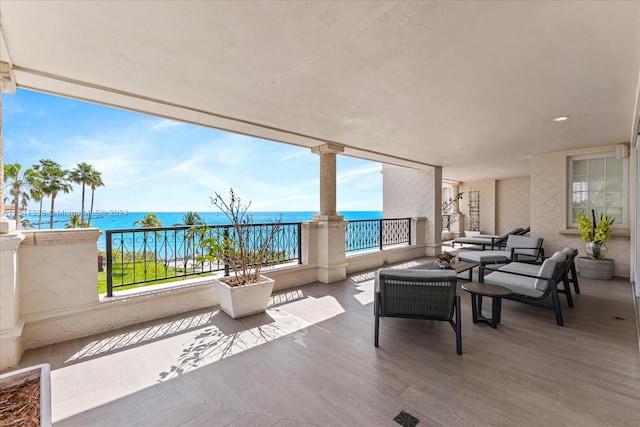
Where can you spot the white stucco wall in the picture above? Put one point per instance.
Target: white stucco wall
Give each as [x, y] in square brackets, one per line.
[549, 208]
[57, 279]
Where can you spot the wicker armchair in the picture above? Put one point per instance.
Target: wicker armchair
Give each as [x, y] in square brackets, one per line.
[417, 294]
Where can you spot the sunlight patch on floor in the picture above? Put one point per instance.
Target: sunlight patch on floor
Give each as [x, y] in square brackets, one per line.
[114, 367]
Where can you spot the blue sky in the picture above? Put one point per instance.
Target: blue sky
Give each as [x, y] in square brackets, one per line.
[153, 164]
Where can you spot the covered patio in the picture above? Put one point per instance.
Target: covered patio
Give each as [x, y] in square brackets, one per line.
[467, 94]
[310, 361]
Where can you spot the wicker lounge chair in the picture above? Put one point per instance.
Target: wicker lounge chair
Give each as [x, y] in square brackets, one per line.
[494, 242]
[418, 294]
[534, 284]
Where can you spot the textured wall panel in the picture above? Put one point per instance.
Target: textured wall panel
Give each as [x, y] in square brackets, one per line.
[513, 204]
[487, 189]
[411, 193]
[407, 192]
[549, 209]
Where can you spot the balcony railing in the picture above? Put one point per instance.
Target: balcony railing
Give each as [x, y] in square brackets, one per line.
[448, 220]
[377, 233]
[146, 255]
[143, 255]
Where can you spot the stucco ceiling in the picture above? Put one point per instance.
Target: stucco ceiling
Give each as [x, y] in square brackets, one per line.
[471, 86]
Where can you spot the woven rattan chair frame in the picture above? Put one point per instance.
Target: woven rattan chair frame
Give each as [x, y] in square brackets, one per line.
[418, 294]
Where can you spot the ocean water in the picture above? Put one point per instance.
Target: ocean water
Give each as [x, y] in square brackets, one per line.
[118, 220]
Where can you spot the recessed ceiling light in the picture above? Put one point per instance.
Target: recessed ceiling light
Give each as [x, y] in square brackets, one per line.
[561, 118]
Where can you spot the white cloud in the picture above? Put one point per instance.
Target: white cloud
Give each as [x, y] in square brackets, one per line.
[162, 125]
[147, 167]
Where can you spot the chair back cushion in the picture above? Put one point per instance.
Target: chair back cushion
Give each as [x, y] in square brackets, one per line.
[524, 242]
[570, 252]
[550, 269]
[416, 293]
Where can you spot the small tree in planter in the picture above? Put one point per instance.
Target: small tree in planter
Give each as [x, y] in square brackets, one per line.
[246, 249]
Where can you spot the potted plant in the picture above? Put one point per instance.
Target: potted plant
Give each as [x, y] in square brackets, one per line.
[245, 249]
[595, 234]
[444, 260]
[596, 266]
[450, 205]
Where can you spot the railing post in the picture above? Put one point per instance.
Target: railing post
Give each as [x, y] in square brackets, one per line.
[109, 264]
[381, 222]
[299, 243]
[226, 239]
[409, 237]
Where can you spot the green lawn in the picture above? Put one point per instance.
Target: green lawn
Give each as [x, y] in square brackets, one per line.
[134, 271]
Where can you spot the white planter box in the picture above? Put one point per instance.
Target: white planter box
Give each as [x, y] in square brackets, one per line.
[245, 300]
[31, 373]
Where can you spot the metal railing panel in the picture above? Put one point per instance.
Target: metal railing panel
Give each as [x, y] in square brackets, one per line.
[377, 233]
[142, 255]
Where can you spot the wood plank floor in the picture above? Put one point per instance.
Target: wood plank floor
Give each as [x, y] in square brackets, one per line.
[310, 361]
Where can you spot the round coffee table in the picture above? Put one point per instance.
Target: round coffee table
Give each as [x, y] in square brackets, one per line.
[479, 290]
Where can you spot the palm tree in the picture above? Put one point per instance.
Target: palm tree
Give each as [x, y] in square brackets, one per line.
[95, 181]
[36, 193]
[194, 220]
[42, 169]
[19, 186]
[55, 179]
[81, 175]
[148, 221]
[75, 221]
[26, 224]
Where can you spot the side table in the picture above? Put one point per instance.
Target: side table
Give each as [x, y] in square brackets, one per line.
[479, 290]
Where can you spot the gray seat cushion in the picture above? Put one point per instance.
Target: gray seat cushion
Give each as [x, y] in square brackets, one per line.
[517, 284]
[526, 247]
[534, 243]
[522, 268]
[473, 240]
[484, 257]
[528, 286]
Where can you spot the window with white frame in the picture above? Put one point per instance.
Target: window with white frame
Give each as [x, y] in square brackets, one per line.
[598, 182]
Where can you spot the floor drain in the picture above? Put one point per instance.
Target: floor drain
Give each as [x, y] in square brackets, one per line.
[406, 420]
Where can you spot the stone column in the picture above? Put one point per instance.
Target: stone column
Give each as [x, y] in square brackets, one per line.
[328, 227]
[8, 85]
[327, 154]
[10, 322]
[455, 189]
[457, 227]
[434, 230]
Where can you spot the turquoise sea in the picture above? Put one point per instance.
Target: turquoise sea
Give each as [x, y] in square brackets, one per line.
[118, 220]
